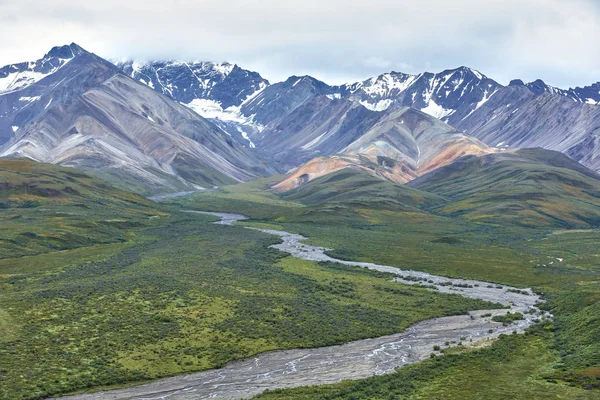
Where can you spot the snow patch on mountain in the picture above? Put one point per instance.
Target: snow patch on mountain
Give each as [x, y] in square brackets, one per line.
[486, 96]
[245, 136]
[381, 105]
[20, 76]
[28, 99]
[437, 111]
[230, 120]
[19, 80]
[210, 109]
[384, 84]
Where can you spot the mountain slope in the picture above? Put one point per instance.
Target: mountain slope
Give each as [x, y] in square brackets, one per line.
[299, 119]
[46, 208]
[265, 116]
[355, 188]
[533, 187]
[189, 82]
[319, 126]
[403, 144]
[519, 115]
[90, 115]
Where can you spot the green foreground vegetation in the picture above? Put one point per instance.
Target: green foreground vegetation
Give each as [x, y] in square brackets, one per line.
[147, 291]
[170, 293]
[562, 264]
[45, 208]
[514, 367]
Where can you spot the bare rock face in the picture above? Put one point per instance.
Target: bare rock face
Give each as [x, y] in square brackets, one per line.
[516, 117]
[402, 145]
[89, 115]
[301, 118]
[182, 125]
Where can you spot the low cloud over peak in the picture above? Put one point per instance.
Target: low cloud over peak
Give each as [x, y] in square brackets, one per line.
[336, 41]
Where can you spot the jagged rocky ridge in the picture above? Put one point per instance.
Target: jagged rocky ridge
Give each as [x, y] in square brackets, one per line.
[190, 83]
[517, 115]
[288, 123]
[213, 90]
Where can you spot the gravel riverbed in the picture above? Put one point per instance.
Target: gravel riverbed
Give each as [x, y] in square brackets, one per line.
[355, 360]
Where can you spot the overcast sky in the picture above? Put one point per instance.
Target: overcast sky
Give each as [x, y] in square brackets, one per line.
[334, 40]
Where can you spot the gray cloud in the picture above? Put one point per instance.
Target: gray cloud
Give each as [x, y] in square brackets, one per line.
[335, 40]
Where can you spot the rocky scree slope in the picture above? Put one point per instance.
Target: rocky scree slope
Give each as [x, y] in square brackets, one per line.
[88, 114]
[402, 145]
[501, 116]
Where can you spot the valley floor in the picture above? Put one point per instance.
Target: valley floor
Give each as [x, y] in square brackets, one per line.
[355, 360]
[184, 295]
[178, 295]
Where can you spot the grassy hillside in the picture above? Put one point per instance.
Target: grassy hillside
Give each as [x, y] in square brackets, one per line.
[356, 188]
[531, 187]
[46, 208]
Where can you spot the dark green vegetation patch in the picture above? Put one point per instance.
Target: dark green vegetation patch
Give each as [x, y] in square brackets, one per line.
[548, 241]
[185, 295]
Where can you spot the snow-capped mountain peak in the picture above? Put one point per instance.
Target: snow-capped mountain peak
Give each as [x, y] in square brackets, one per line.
[438, 94]
[19, 76]
[224, 83]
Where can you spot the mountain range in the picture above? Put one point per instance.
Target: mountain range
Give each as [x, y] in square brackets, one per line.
[84, 112]
[174, 125]
[518, 115]
[404, 144]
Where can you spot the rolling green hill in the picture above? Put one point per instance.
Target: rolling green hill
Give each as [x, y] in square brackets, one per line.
[356, 188]
[45, 208]
[531, 187]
